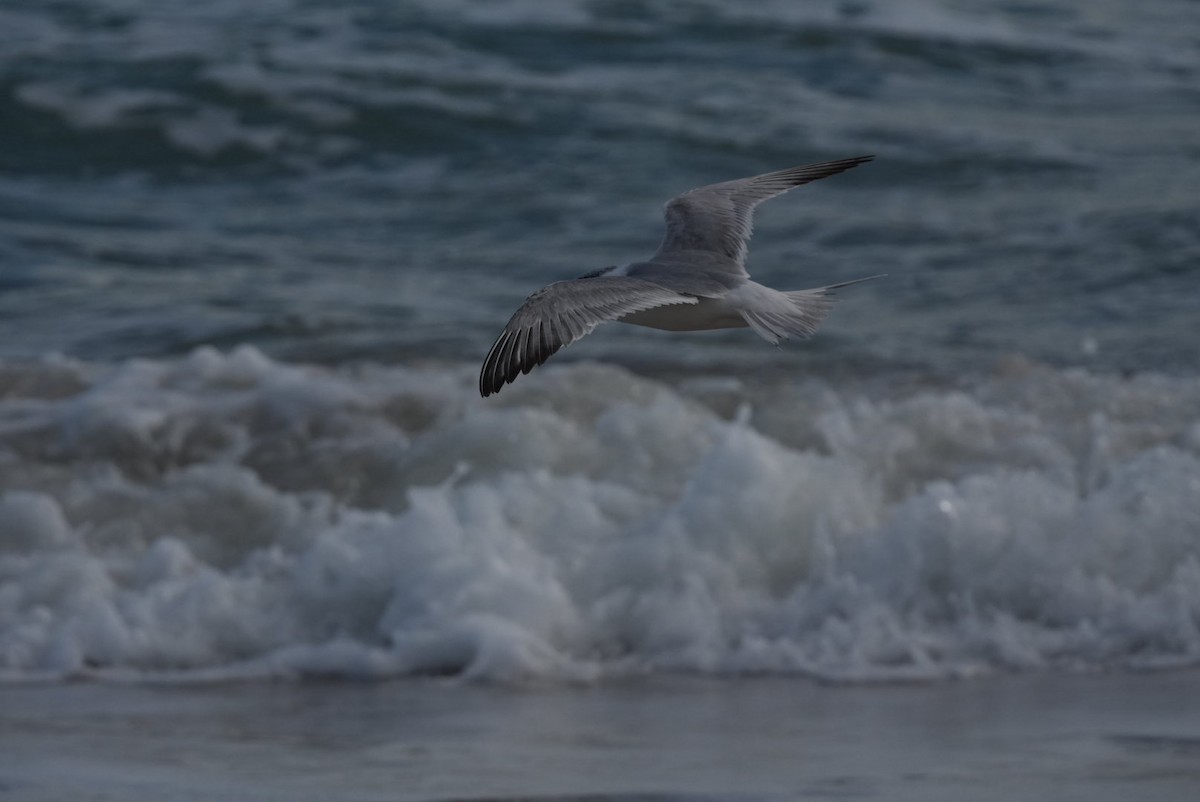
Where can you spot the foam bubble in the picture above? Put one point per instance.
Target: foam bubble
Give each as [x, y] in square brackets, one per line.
[31, 521]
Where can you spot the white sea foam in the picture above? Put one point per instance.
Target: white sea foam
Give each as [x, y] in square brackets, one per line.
[226, 515]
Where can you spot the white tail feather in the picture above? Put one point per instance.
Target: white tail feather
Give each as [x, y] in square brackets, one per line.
[776, 316]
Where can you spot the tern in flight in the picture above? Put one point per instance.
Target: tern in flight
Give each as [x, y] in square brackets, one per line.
[695, 282]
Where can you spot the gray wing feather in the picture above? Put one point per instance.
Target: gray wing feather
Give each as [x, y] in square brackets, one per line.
[719, 217]
[559, 314]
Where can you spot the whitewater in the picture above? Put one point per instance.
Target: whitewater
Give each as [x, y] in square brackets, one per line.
[224, 515]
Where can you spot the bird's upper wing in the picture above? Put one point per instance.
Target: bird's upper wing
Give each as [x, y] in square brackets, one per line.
[719, 217]
[561, 313]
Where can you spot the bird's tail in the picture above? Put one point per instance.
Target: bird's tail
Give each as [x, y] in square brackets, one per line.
[795, 313]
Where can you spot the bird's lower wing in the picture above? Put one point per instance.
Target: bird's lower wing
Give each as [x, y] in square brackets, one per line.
[561, 313]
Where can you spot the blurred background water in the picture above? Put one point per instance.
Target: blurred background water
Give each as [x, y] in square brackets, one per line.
[251, 255]
[387, 180]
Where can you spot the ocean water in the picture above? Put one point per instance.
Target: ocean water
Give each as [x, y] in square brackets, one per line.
[251, 256]
[660, 739]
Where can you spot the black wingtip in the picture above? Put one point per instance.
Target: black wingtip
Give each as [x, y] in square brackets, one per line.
[854, 161]
[491, 375]
[814, 172]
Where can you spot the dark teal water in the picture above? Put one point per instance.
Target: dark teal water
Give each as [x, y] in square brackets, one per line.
[389, 180]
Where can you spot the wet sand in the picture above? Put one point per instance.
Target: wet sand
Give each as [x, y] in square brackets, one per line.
[1096, 737]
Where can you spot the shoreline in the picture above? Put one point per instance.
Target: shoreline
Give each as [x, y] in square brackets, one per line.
[1079, 736]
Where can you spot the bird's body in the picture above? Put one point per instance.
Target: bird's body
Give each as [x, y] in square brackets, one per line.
[706, 314]
[697, 281]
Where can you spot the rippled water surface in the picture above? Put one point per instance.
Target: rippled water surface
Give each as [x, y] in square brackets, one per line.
[251, 256]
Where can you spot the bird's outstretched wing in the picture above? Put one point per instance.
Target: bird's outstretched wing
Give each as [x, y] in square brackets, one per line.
[719, 217]
[559, 314]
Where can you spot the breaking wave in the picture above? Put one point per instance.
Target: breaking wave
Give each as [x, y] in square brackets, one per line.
[224, 515]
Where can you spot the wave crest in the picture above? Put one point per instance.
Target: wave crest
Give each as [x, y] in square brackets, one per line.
[226, 515]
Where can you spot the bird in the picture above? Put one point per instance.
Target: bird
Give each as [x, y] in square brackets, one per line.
[696, 281]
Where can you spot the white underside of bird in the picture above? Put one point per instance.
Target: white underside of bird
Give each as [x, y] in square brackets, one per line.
[696, 281]
[773, 315]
